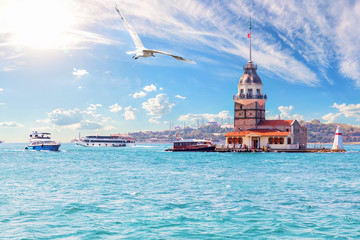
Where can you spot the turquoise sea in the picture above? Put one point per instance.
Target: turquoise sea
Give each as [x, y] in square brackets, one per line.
[144, 192]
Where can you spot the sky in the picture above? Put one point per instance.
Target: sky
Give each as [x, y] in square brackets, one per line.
[64, 67]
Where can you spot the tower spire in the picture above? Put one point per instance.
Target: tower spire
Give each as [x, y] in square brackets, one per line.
[249, 36]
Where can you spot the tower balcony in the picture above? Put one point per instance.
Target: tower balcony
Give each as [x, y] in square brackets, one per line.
[249, 96]
[250, 66]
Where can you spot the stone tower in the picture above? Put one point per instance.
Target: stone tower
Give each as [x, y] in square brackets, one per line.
[249, 108]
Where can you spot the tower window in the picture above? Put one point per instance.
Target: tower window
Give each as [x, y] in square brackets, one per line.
[258, 91]
[250, 91]
[241, 91]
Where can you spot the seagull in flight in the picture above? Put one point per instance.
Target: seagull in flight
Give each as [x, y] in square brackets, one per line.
[141, 51]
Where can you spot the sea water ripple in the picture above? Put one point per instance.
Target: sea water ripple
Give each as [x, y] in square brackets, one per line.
[144, 192]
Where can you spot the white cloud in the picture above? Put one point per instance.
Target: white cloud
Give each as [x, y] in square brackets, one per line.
[155, 119]
[150, 88]
[12, 124]
[1, 89]
[331, 117]
[109, 128]
[285, 113]
[346, 110]
[193, 119]
[130, 113]
[89, 125]
[76, 119]
[115, 108]
[61, 117]
[347, 37]
[79, 72]
[140, 94]
[181, 97]
[93, 107]
[160, 105]
[349, 111]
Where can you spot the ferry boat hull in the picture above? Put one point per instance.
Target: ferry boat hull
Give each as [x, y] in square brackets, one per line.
[90, 144]
[44, 147]
[200, 149]
[193, 145]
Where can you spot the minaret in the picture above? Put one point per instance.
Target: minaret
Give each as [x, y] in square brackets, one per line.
[338, 142]
[249, 108]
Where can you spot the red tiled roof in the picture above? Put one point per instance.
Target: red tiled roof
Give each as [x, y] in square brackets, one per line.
[276, 123]
[259, 132]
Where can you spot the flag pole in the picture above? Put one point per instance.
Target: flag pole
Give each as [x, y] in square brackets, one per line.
[250, 39]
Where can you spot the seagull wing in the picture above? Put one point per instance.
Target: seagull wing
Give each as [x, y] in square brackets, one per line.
[133, 34]
[174, 56]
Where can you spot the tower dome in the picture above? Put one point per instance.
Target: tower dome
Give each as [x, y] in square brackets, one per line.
[250, 76]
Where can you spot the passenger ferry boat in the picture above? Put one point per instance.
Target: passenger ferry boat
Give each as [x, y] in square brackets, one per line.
[102, 141]
[130, 141]
[42, 141]
[193, 145]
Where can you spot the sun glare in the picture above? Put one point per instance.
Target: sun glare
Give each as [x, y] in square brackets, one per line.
[38, 23]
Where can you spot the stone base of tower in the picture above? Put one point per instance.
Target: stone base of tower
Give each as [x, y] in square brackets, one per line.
[248, 116]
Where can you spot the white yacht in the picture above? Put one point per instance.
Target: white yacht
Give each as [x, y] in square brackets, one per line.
[102, 141]
[42, 141]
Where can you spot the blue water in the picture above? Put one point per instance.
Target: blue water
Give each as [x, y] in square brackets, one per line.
[144, 192]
